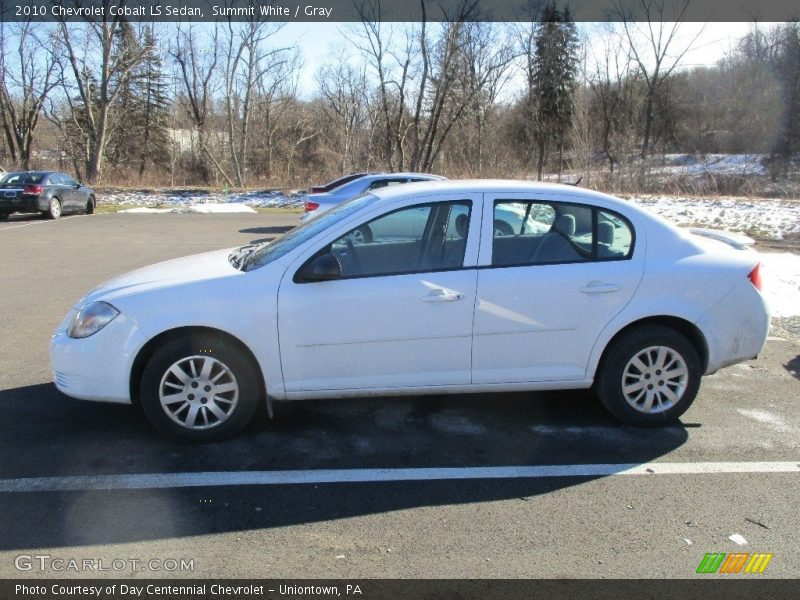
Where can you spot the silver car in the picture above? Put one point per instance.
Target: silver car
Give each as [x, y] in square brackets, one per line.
[316, 204]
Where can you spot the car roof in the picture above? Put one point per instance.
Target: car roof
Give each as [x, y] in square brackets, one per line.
[485, 186]
[481, 186]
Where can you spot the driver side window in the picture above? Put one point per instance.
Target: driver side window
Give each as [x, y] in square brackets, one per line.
[425, 237]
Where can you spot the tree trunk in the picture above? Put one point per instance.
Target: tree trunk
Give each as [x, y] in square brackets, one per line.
[95, 164]
[648, 124]
[540, 162]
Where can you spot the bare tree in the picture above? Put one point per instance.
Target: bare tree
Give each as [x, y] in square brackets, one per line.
[422, 93]
[196, 64]
[248, 61]
[26, 80]
[615, 99]
[373, 41]
[98, 82]
[662, 20]
[343, 95]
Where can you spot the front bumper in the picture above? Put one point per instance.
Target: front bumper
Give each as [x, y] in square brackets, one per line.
[97, 367]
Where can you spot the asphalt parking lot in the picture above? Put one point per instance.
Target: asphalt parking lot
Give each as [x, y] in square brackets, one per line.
[471, 524]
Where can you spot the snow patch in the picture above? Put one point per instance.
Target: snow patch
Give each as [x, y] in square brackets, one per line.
[193, 208]
[780, 273]
[715, 164]
[762, 218]
[189, 197]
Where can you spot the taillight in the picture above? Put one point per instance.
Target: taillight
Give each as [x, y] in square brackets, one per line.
[309, 206]
[755, 276]
[32, 190]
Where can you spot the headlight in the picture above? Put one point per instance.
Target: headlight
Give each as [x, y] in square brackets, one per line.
[91, 319]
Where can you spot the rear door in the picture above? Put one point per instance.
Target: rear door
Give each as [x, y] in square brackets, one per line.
[547, 290]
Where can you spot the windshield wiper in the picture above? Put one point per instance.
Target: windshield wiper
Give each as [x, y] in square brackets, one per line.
[240, 257]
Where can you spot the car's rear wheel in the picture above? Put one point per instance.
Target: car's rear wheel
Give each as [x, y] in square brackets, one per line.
[199, 387]
[649, 376]
[4, 216]
[53, 209]
[90, 206]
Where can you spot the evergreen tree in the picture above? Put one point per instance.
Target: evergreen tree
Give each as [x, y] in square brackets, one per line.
[139, 137]
[152, 110]
[552, 80]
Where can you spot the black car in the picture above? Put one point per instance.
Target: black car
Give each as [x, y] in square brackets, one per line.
[45, 192]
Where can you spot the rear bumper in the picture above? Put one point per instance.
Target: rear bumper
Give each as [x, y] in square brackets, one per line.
[23, 204]
[736, 327]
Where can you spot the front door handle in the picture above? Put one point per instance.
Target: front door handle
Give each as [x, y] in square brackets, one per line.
[440, 295]
[596, 287]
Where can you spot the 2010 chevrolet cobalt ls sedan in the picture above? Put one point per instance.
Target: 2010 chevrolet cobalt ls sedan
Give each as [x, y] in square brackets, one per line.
[588, 291]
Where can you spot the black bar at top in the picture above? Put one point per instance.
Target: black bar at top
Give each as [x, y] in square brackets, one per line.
[391, 10]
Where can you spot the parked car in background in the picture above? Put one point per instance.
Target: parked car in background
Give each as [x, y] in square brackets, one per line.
[601, 294]
[49, 193]
[316, 204]
[327, 187]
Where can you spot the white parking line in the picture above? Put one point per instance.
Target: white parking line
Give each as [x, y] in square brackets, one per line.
[237, 478]
[40, 222]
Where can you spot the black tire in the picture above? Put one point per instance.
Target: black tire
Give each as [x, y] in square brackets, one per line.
[502, 228]
[241, 372]
[4, 216]
[53, 209]
[90, 206]
[671, 396]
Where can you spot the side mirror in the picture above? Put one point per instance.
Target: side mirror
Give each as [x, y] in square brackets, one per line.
[78, 186]
[325, 267]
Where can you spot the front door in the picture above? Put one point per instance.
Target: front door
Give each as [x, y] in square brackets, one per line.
[400, 315]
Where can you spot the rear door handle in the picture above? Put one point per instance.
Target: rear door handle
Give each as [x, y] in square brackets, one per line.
[595, 287]
[441, 295]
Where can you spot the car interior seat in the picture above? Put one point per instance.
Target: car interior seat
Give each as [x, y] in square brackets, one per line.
[556, 244]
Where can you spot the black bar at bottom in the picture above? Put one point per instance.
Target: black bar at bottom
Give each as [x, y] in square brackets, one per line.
[706, 587]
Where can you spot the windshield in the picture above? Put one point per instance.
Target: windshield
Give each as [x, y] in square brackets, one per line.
[254, 256]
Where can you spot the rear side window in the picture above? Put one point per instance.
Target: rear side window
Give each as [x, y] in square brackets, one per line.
[381, 183]
[614, 236]
[540, 233]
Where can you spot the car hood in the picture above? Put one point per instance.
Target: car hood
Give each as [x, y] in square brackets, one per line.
[179, 271]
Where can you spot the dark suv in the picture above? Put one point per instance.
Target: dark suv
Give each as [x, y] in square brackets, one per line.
[45, 192]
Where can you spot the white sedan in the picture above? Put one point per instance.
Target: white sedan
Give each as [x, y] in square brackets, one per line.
[599, 293]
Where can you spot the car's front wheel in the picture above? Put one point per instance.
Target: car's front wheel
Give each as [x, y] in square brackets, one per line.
[90, 206]
[199, 387]
[649, 376]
